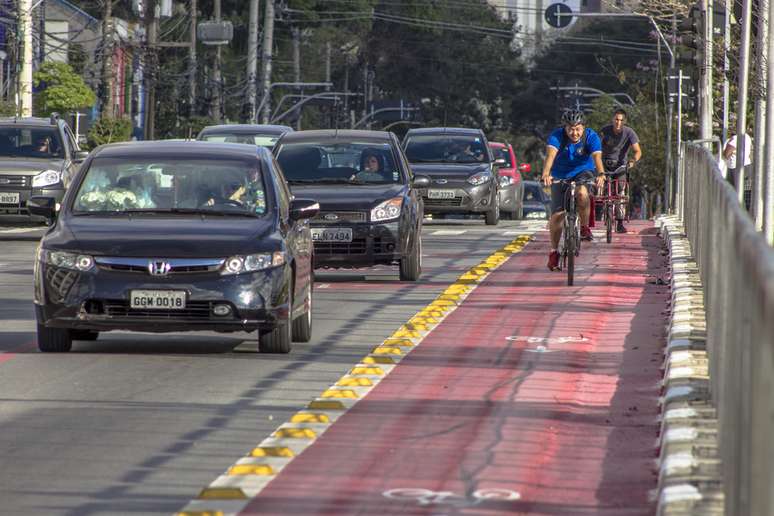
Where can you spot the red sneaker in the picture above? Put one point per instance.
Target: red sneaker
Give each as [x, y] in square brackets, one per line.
[586, 234]
[553, 261]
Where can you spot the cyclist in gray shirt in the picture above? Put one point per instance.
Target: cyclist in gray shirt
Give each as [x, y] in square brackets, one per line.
[617, 139]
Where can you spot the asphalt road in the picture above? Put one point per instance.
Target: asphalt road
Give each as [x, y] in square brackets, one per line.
[139, 423]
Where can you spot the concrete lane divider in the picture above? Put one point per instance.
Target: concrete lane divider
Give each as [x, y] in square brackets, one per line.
[230, 492]
[689, 466]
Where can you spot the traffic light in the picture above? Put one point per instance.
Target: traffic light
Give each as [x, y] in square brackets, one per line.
[692, 41]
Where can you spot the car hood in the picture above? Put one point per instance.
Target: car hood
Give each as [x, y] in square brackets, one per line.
[448, 170]
[28, 165]
[347, 197]
[163, 236]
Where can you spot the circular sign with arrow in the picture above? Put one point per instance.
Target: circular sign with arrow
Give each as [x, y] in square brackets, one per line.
[558, 15]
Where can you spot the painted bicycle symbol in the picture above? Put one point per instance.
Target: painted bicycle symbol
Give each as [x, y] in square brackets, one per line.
[546, 340]
[429, 497]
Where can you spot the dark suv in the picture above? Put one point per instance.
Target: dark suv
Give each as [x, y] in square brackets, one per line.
[38, 156]
[461, 168]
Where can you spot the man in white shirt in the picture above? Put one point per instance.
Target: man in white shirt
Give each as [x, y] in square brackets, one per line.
[729, 154]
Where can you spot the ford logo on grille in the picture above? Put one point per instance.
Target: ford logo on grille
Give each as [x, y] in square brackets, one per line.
[158, 267]
[331, 216]
[441, 181]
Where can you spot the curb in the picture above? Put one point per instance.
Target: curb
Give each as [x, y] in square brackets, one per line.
[689, 465]
[235, 488]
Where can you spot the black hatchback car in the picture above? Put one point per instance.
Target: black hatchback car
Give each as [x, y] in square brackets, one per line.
[460, 165]
[168, 236]
[370, 209]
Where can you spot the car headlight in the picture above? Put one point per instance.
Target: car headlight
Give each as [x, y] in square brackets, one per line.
[253, 262]
[506, 180]
[65, 260]
[388, 210]
[46, 178]
[480, 178]
[536, 215]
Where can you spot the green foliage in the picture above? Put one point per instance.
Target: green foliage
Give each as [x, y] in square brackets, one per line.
[109, 130]
[63, 89]
[77, 58]
[7, 108]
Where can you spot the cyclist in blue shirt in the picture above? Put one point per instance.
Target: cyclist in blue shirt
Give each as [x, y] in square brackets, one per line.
[572, 151]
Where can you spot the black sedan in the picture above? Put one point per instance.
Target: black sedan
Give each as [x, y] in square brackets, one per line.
[166, 236]
[370, 209]
[537, 203]
[460, 165]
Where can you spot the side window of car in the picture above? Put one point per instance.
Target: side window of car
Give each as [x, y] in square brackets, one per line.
[283, 192]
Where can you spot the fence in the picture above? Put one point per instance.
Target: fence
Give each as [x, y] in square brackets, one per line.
[737, 271]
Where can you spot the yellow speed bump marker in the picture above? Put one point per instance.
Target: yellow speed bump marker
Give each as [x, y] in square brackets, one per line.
[308, 417]
[272, 451]
[326, 405]
[354, 381]
[387, 350]
[406, 333]
[250, 469]
[378, 360]
[443, 303]
[200, 513]
[339, 393]
[295, 433]
[372, 371]
[406, 343]
[422, 319]
[221, 493]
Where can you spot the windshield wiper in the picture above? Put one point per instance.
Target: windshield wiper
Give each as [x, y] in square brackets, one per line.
[337, 180]
[183, 211]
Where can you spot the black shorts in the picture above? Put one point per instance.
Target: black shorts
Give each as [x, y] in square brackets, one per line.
[559, 190]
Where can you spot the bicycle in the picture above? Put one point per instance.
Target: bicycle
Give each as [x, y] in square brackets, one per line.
[614, 198]
[571, 243]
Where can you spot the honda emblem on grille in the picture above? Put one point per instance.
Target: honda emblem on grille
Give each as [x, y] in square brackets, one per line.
[441, 181]
[158, 267]
[331, 216]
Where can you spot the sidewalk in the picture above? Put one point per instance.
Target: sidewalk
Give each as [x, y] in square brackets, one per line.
[531, 398]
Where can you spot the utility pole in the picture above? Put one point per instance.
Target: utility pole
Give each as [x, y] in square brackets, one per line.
[768, 182]
[741, 109]
[761, 57]
[25, 77]
[192, 63]
[726, 68]
[151, 68]
[217, 76]
[252, 60]
[107, 60]
[670, 167]
[706, 74]
[295, 33]
[266, 53]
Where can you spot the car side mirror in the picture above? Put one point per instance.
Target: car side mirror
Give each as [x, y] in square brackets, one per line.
[303, 209]
[421, 182]
[80, 156]
[525, 168]
[42, 207]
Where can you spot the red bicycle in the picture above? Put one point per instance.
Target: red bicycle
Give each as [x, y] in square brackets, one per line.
[614, 198]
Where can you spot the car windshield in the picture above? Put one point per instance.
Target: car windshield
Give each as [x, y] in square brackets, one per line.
[346, 163]
[446, 148]
[503, 153]
[30, 142]
[262, 140]
[216, 186]
[533, 193]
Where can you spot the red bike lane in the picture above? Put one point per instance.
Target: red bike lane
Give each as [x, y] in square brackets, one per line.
[531, 398]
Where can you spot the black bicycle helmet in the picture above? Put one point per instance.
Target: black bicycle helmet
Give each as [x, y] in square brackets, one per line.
[573, 117]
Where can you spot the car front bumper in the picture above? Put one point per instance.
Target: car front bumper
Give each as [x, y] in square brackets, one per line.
[98, 300]
[467, 199]
[372, 244]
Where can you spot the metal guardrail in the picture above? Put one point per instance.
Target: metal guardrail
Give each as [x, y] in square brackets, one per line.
[736, 266]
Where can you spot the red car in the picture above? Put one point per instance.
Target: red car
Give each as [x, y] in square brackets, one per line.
[511, 185]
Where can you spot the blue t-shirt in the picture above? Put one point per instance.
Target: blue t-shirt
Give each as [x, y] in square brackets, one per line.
[575, 157]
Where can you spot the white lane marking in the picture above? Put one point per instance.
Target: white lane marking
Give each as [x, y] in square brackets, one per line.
[429, 497]
[19, 230]
[449, 232]
[546, 340]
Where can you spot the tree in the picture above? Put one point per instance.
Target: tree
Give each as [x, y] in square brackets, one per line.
[109, 130]
[60, 89]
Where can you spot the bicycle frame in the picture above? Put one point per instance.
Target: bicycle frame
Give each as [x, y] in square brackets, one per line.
[614, 200]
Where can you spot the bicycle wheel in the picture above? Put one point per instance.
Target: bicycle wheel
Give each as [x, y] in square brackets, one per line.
[609, 222]
[571, 261]
[571, 241]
